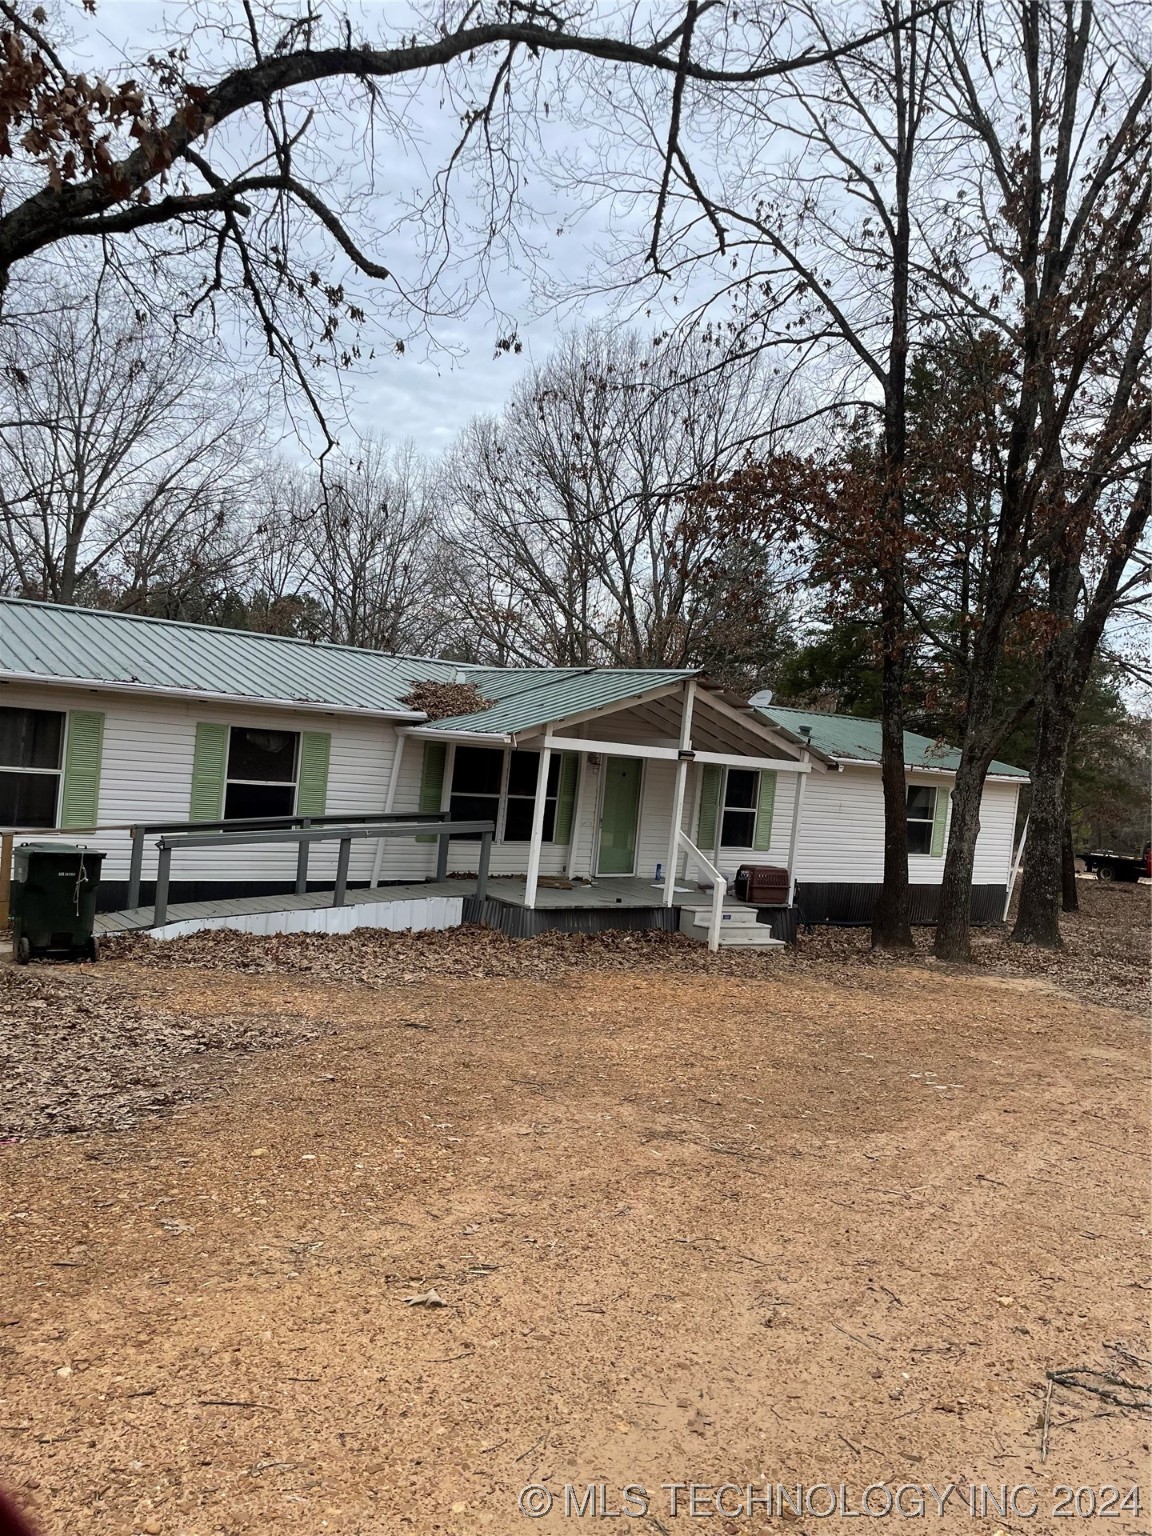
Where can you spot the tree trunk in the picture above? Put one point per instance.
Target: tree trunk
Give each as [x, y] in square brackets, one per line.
[891, 925]
[955, 913]
[1066, 669]
[1071, 896]
[1038, 916]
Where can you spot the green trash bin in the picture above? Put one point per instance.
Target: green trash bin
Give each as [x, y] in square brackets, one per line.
[54, 900]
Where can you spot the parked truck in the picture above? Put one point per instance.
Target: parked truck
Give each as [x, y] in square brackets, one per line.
[1127, 867]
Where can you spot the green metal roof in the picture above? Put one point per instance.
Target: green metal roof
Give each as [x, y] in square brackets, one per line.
[527, 698]
[58, 643]
[856, 739]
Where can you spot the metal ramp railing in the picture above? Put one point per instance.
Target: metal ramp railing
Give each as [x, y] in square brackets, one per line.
[236, 834]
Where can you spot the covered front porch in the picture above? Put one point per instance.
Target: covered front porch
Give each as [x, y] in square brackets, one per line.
[639, 806]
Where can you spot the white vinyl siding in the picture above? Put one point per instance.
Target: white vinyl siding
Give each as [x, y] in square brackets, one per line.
[146, 775]
[842, 829]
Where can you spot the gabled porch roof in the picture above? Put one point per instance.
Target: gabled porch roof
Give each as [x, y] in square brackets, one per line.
[543, 697]
[564, 708]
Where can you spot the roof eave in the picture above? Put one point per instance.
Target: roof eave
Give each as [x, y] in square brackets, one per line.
[150, 690]
[874, 762]
[430, 732]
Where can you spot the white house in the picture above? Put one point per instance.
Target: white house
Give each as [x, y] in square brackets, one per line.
[614, 795]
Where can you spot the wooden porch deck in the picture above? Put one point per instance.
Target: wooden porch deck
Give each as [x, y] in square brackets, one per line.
[634, 903]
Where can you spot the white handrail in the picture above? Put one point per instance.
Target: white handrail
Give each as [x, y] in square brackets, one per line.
[719, 889]
[1015, 870]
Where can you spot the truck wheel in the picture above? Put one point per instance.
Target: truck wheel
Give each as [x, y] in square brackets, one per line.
[1105, 872]
[23, 951]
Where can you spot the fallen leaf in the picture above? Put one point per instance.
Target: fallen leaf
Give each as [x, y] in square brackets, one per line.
[429, 1298]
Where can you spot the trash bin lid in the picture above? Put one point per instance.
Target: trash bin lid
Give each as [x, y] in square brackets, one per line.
[62, 848]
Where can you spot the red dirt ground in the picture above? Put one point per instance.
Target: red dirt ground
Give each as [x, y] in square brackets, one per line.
[687, 1227]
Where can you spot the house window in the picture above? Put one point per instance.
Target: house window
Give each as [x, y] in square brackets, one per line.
[921, 814]
[261, 773]
[738, 823]
[489, 784]
[477, 778]
[31, 746]
[523, 768]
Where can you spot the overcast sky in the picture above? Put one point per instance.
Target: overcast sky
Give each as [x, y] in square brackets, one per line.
[428, 393]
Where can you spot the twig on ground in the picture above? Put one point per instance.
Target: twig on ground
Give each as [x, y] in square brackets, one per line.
[524, 1454]
[856, 1338]
[1070, 1376]
[1127, 1354]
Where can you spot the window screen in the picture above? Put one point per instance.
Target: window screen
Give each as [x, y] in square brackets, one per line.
[522, 771]
[261, 772]
[921, 810]
[31, 742]
[477, 775]
[738, 825]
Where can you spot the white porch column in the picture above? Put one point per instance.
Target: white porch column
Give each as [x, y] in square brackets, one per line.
[574, 838]
[678, 793]
[797, 810]
[389, 801]
[538, 810]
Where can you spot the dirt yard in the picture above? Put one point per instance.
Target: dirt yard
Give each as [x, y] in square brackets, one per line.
[811, 1220]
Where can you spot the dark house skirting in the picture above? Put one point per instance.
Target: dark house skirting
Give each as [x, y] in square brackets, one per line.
[520, 923]
[850, 906]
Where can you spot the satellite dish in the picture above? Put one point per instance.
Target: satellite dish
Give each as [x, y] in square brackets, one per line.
[762, 699]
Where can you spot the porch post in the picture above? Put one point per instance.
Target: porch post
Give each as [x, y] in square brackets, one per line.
[135, 866]
[574, 839]
[389, 800]
[678, 792]
[797, 808]
[538, 809]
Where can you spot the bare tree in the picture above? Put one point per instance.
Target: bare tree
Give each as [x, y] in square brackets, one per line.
[1084, 590]
[569, 529]
[996, 157]
[808, 229]
[1052, 236]
[218, 155]
[125, 458]
[372, 538]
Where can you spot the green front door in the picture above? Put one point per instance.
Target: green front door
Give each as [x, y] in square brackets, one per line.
[619, 816]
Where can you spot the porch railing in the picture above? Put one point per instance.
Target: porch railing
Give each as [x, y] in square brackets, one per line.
[139, 830]
[398, 826]
[719, 888]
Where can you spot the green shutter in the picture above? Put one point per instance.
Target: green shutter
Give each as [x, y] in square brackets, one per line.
[432, 781]
[209, 766]
[709, 808]
[84, 744]
[312, 788]
[765, 805]
[566, 797]
[939, 820]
